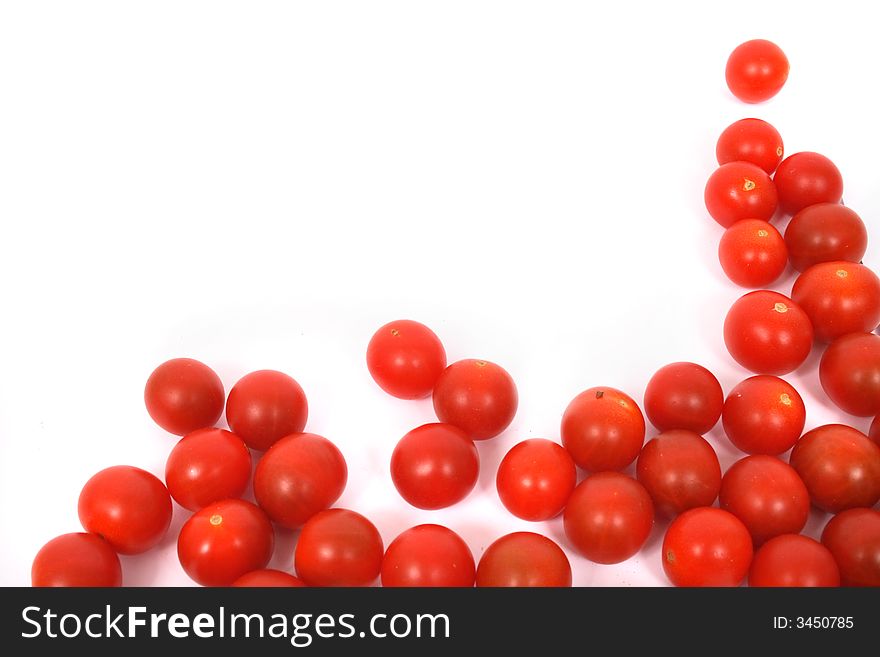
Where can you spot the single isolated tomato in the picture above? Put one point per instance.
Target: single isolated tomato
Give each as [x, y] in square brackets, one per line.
[805, 179]
[338, 547]
[850, 373]
[268, 578]
[684, 396]
[853, 536]
[405, 359]
[603, 429]
[764, 415]
[127, 506]
[793, 560]
[298, 476]
[752, 253]
[768, 333]
[477, 396]
[183, 395]
[750, 140]
[825, 232]
[739, 190]
[76, 559]
[524, 559]
[535, 479]
[265, 406]
[428, 555]
[756, 70]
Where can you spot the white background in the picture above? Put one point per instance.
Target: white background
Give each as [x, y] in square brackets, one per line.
[261, 185]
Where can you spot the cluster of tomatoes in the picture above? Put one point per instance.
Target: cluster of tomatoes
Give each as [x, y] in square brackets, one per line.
[764, 502]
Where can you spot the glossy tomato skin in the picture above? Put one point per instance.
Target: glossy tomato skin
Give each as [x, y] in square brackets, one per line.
[76, 559]
[764, 415]
[850, 373]
[128, 506]
[805, 179]
[853, 537]
[752, 253]
[684, 396]
[524, 559]
[750, 140]
[739, 190]
[793, 560]
[338, 547]
[264, 406]
[299, 476]
[268, 578]
[767, 333]
[707, 547]
[535, 479]
[680, 471]
[825, 232]
[183, 395]
[428, 555]
[609, 517]
[405, 358]
[603, 429]
[874, 431]
[756, 70]
[207, 465]
[477, 396]
[224, 541]
[840, 467]
[767, 495]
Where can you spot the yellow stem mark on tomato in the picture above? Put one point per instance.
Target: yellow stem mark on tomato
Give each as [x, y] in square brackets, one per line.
[216, 519]
[670, 556]
[780, 307]
[395, 332]
[748, 185]
[763, 233]
[785, 399]
[779, 151]
[842, 273]
[480, 363]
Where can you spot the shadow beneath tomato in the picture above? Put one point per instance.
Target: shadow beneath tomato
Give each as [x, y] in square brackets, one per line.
[145, 569]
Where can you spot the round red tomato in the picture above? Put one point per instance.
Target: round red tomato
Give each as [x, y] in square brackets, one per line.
[752, 253]
[268, 578]
[76, 560]
[764, 415]
[767, 495]
[435, 466]
[805, 179]
[428, 555]
[793, 560]
[338, 547]
[477, 396]
[750, 140]
[850, 373]
[298, 476]
[853, 537]
[406, 358]
[264, 406]
[825, 232]
[225, 541]
[603, 429]
[206, 466]
[183, 395]
[684, 396]
[767, 333]
[707, 547]
[840, 467]
[524, 559]
[609, 517]
[535, 479]
[127, 506]
[756, 70]
[739, 190]
[680, 471]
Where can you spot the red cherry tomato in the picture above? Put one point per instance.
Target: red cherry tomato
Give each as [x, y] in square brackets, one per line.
[127, 506]
[535, 479]
[767, 495]
[298, 476]
[523, 559]
[793, 560]
[840, 467]
[707, 547]
[405, 359]
[750, 140]
[428, 555]
[739, 190]
[603, 429]
[752, 253]
[609, 517]
[225, 541]
[684, 396]
[767, 333]
[825, 232]
[850, 373]
[756, 70]
[338, 547]
[853, 537]
[839, 298]
[268, 578]
[183, 395]
[76, 560]
[680, 471]
[805, 179]
[477, 396]
[435, 466]
[764, 415]
[207, 466]
[264, 406]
